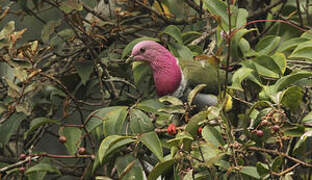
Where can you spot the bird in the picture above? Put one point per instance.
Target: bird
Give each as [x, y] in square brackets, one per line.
[176, 77]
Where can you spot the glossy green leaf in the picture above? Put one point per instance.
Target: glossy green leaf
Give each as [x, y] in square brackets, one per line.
[262, 169]
[307, 34]
[140, 122]
[180, 51]
[236, 42]
[189, 36]
[212, 136]
[288, 80]
[183, 138]
[38, 122]
[112, 118]
[241, 18]
[239, 76]
[219, 8]
[303, 143]
[266, 66]
[73, 138]
[174, 32]
[150, 105]
[292, 97]
[303, 53]
[193, 124]
[129, 168]
[160, 168]
[277, 163]
[130, 46]
[295, 131]
[84, 70]
[268, 44]
[307, 119]
[142, 75]
[152, 142]
[172, 100]
[108, 142]
[291, 44]
[10, 126]
[43, 167]
[280, 60]
[250, 171]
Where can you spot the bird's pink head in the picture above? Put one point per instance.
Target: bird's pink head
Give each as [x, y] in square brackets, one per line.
[166, 71]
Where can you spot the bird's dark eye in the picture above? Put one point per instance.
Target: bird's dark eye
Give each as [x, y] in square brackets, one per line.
[142, 50]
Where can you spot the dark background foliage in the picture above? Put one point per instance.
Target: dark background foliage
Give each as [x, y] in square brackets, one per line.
[71, 108]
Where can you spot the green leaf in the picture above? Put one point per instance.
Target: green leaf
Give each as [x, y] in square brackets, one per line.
[307, 34]
[288, 80]
[5, 34]
[152, 142]
[303, 143]
[277, 163]
[108, 142]
[193, 124]
[291, 44]
[303, 53]
[142, 75]
[307, 119]
[112, 118]
[130, 46]
[49, 29]
[38, 122]
[180, 51]
[213, 137]
[241, 18]
[10, 126]
[140, 122]
[172, 100]
[262, 169]
[219, 8]
[194, 92]
[183, 138]
[43, 167]
[235, 52]
[295, 131]
[150, 105]
[84, 70]
[71, 5]
[268, 44]
[160, 169]
[174, 32]
[129, 167]
[73, 138]
[238, 77]
[292, 97]
[189, 36]
[266, 66]
[280, 60]
[250, 171]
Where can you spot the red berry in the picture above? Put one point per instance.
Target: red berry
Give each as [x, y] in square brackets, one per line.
[275, 128]
[199, 130]
[22, 156]
[172, 129]
[62, 139]
[259, 133]
[22, 170]
[82, 151]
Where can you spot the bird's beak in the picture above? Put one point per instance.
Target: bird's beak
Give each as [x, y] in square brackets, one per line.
[129, 59]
